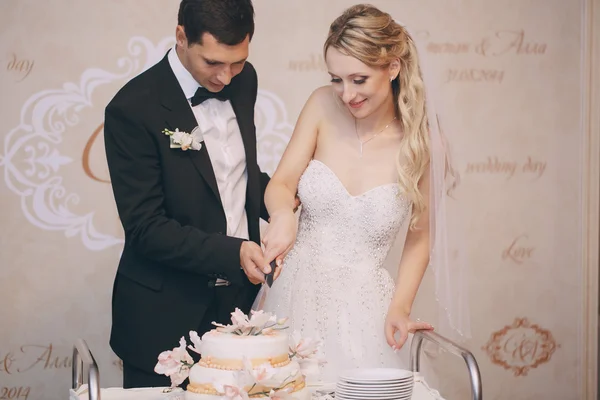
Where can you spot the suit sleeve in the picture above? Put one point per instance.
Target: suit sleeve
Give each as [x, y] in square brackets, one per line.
[135, 172]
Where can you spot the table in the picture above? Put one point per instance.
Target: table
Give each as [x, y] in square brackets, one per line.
[83, 356]
[421, 391]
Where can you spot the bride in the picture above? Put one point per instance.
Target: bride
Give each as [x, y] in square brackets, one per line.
[361, 160]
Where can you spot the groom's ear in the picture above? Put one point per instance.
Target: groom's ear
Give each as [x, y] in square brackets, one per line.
[180, 36]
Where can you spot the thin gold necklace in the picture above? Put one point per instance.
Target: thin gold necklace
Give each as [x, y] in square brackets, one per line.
[372, 137]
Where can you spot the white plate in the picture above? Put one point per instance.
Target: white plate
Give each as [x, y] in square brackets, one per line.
[388, 388]
[395, 391]
[378, 397]
[373, 398]
[406, 393]
[395, 382]
[370, 375]
[376, 384]
[374, 388]
[380, 391]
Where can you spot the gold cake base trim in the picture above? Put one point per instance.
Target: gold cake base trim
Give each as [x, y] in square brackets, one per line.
[238, 365]
[258, 391]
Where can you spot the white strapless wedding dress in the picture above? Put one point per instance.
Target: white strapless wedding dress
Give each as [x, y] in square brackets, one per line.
[333, 284]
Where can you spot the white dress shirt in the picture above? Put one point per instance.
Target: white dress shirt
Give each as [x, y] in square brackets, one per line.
[223, 141]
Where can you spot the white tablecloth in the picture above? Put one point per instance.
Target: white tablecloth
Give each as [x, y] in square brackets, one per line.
[421, 391]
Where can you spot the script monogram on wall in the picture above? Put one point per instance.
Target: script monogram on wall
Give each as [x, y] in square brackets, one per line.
[34, 156]
[521, 346]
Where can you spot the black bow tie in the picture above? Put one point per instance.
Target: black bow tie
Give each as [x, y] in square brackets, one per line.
[203, 94]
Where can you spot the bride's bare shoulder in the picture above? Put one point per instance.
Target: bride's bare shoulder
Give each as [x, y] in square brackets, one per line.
[323, 100]
[324, 95]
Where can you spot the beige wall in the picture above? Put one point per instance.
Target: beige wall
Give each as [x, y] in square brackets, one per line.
[514, 86]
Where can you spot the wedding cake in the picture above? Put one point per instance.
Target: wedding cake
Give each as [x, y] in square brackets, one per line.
[253, 357]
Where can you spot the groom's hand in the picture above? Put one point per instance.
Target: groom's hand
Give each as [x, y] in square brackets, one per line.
[253, 262]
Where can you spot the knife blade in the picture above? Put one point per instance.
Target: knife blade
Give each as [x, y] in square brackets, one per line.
[271, 275]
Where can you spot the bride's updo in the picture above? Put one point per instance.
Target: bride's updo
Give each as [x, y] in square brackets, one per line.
[374, 38]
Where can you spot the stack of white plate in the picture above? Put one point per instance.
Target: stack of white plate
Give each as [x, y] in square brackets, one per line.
[375, 383]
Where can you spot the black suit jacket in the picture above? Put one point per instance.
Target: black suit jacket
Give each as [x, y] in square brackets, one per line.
[171, 212]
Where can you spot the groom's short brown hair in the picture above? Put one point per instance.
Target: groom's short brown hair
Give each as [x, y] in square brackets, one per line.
[229, 21]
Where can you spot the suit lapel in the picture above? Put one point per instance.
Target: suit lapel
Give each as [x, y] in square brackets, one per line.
[180, 116]
[245, 123]
[244, 115]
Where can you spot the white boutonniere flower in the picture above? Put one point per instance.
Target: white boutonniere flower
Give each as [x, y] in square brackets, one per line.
[183, 140]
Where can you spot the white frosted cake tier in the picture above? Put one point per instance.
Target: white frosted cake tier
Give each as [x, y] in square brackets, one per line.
[202, 381]
[200, 375]
[258, 349]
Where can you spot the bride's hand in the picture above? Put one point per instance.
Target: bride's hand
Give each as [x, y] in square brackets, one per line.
[398, 321]
[279, 237]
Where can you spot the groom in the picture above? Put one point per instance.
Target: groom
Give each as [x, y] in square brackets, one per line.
[191, 217]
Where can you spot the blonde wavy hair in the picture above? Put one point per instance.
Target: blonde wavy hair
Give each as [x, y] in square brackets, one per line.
[374, 38]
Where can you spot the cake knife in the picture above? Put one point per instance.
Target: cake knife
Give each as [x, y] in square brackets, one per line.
[264, 290]
[271, 275]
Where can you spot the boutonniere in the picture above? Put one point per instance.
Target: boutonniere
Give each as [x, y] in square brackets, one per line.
[183, 140]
